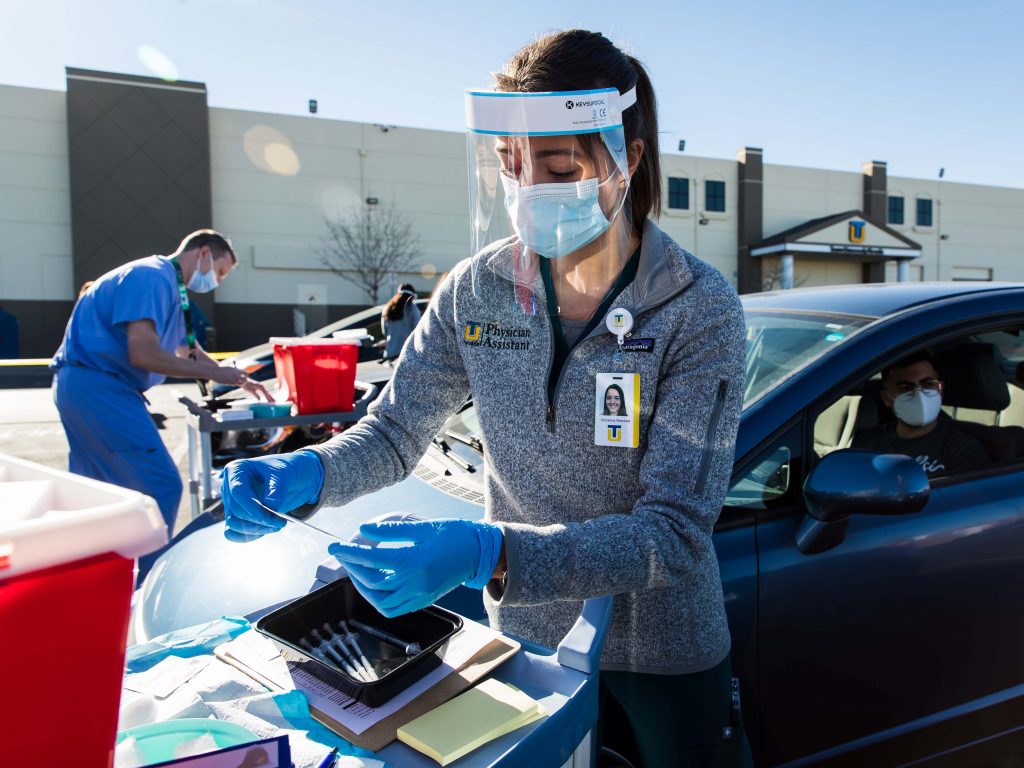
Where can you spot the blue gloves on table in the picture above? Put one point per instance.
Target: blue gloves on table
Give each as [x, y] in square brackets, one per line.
[439, 556]
[284, 482]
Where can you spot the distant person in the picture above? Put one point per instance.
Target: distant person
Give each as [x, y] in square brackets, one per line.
[398, 320]
[913, 390]
[130, 329]
[614, 401]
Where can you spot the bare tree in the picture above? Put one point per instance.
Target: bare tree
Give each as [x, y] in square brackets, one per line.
[366, 246]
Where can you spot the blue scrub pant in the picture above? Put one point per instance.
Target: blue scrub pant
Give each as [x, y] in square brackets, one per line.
[113, 438]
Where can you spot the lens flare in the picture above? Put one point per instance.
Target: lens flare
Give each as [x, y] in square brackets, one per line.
[338, 201]
[270, 150]
[158, 63]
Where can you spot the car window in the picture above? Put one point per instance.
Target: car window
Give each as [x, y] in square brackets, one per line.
[835, 426]
[977, 413]
[770, 479]
[780, 343]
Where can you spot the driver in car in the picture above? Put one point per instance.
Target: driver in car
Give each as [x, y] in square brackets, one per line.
[911, 388]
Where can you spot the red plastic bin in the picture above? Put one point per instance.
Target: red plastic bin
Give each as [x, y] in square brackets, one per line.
[320, 373]
[67, 549]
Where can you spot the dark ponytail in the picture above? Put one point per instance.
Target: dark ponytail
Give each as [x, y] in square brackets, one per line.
[576, 60]
[641, 122]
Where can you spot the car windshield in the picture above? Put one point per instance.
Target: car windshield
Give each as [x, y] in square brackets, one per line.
[781, 342]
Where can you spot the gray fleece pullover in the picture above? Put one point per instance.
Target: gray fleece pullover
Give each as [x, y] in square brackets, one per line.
[581, 520]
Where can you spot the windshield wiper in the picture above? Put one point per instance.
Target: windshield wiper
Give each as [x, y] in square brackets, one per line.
[446, 451]
[472, 442]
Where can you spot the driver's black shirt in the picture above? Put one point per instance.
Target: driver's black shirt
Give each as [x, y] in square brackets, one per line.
[943, 451]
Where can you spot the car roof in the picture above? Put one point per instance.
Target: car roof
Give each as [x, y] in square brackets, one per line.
[871, 299]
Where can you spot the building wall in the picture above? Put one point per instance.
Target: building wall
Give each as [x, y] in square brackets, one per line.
[984, 226]
[35, 216]
[714, 241]
[274, 179]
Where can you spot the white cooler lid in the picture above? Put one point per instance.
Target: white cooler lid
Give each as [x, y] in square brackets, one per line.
[49, 517]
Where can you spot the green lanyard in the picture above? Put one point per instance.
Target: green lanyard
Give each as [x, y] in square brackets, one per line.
[190, 333]
[562, 350]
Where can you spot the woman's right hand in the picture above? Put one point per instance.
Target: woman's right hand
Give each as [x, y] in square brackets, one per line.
[282, 483]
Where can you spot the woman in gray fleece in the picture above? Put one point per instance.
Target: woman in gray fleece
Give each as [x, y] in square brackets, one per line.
[587, 292]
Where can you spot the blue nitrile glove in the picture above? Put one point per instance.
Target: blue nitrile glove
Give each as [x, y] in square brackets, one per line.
[284, 482]
[440, 555]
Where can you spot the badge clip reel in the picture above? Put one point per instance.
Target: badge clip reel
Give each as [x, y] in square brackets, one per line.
[620, 323]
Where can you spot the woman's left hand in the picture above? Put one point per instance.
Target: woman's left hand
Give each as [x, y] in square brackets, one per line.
[439, 555]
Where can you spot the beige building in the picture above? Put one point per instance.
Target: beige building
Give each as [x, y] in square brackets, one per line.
[121, 166]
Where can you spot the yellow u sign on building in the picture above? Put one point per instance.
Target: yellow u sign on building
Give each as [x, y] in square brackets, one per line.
[857, 229]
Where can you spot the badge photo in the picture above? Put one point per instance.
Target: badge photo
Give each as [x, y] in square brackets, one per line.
[616, 410]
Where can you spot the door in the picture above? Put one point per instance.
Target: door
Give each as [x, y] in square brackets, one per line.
[905, 639]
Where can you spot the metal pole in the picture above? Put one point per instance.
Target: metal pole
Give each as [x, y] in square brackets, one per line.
[191, 435]
[206, 457]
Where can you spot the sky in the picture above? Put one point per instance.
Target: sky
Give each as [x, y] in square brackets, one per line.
[823, 84]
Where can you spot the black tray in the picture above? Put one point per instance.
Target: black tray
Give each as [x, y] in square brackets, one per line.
[430, 627]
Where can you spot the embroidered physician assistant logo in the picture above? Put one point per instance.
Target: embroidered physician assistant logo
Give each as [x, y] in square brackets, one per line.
[857, 231]
[495, 336]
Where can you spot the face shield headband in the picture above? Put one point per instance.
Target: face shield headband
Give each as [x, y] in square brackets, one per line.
[555, 113]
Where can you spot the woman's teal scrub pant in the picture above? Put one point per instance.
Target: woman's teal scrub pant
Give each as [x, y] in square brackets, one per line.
[684, 721]
[113, 438]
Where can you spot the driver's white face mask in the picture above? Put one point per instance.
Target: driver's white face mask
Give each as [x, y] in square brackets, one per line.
[918, 408]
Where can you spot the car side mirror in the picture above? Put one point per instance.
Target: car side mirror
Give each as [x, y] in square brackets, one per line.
[852, 482]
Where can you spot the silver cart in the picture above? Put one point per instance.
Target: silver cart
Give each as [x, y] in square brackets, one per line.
[202, 422]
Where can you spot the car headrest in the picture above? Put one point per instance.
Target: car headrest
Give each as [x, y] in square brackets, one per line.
[972, 378]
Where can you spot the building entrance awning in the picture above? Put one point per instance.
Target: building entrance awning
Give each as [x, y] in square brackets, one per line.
[846, 236]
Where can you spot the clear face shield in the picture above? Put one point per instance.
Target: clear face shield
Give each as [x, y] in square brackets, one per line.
[549, 180]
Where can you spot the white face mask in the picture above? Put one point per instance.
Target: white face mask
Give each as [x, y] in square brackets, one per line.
[203, 282]
[917, 408]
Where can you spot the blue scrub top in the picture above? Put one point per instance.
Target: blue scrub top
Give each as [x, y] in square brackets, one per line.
[97, 333]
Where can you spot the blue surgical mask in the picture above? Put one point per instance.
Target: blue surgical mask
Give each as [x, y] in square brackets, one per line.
[203, 282]
[555, 219]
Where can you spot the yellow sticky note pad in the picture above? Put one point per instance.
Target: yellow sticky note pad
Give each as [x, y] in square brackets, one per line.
[470, 720]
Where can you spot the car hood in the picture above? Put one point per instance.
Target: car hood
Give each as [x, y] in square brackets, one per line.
[205, 576]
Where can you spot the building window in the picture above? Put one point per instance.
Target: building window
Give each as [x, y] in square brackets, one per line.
[924, 212]
[678, 193]
[896, 210]
[714, 196]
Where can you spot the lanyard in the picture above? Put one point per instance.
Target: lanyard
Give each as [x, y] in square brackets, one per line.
[186, 310]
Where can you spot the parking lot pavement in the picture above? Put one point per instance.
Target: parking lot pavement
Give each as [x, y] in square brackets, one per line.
[30, 429]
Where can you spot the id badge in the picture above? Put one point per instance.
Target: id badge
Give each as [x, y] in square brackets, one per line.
[617, 409]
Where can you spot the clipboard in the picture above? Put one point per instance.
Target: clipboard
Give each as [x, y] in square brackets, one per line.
[379, 735]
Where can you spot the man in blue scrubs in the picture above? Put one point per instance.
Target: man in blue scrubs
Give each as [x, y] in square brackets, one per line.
[129, 330]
